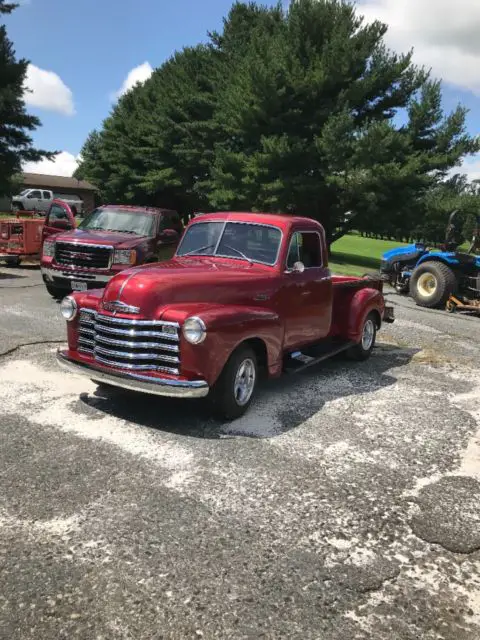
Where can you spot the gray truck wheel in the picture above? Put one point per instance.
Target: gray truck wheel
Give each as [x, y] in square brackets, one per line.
[234, 390]
[432, 284]
[363, 349]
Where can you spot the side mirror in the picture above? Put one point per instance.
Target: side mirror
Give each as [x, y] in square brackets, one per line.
[169, 236]
[298, 267]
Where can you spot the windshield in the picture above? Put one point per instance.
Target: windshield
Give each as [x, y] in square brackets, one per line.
[24, 192]
[243, 241]
[119, 220]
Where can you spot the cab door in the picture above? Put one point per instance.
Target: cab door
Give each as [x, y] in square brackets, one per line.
[307, 293]
[59, 218]
[34, 200]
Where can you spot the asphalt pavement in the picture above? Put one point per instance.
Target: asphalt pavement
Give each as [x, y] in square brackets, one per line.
[344, 505]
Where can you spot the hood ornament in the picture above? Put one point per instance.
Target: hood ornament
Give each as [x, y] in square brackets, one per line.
[120, 307]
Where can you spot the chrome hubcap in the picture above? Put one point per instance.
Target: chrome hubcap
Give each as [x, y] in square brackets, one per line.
[368, 335]
[244, 382]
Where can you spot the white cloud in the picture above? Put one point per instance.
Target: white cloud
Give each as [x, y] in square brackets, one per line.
[443, 33]
[470, 166]
[137, 74]
[64, 164]
[45, 89]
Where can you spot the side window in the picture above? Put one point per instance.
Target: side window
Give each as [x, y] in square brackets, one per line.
[164, 222]
[46, 195]
[305, 247]
[57, 213]
[34, 194]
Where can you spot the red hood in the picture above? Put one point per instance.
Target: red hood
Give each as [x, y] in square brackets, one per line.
[113, 238]
[183, 280]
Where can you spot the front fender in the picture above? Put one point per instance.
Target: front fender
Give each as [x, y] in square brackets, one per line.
[227, 327]
[364, 302]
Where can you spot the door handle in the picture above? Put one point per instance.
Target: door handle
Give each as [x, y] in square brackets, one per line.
[305, 293]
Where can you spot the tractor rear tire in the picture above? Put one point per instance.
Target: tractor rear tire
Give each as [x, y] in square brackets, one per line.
[432, 284]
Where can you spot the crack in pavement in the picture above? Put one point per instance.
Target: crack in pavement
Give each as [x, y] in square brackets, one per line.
[29, 344]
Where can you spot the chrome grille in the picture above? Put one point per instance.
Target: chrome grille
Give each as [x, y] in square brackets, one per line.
[89, 256]
[130, 344]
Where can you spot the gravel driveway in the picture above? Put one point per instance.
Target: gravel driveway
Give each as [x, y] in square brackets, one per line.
[345, 505]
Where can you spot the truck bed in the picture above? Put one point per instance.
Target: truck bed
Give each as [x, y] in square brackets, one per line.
[344, 288]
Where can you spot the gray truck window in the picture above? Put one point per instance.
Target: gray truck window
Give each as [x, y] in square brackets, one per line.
[35, 194]
[46, 195]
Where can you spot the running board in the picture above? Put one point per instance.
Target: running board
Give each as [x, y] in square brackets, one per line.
[299, 361]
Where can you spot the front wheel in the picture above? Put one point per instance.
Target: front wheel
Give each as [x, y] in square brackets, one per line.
[14, 261]
[56, 292]
[234, 391]
[432, 284]
[363, 349]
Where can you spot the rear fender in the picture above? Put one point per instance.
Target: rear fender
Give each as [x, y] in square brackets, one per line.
[446, 258]
[364, 302]
[227, 328]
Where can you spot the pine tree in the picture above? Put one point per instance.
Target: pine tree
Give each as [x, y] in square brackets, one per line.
[15, 143]
[308, 121]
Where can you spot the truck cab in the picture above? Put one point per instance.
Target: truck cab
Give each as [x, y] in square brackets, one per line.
[109, 240]
[245, 295]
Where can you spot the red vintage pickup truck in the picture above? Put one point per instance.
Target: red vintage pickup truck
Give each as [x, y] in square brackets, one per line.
[245, 295]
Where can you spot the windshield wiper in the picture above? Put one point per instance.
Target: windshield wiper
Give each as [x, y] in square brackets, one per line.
[240, 253]
[196, 251]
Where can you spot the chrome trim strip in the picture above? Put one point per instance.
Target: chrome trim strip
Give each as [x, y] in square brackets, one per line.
[132, 355]
[138, 345]
[136, 382]
[82, 329]
[136, 367]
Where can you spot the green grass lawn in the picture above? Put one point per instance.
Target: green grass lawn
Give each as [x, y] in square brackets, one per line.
[353, 255]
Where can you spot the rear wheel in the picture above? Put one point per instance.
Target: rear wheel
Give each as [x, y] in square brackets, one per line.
[363, 349]
[432, 284]
[234, 391]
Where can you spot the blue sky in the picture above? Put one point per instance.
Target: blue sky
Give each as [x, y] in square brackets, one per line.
[82, 53]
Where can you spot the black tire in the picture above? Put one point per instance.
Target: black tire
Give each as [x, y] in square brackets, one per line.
[225, 403]
[14, 261]
[18, 206]
[56, 292]
[364, 348]
[443, 282]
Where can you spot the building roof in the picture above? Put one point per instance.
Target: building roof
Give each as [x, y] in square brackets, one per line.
[56, 182]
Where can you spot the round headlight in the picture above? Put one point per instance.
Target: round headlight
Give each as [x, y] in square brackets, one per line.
[68, 308]
[194, 330]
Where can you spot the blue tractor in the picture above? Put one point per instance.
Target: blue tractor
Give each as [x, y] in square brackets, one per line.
[437, 278]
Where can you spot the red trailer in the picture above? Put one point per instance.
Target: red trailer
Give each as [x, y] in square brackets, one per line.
[20, 237]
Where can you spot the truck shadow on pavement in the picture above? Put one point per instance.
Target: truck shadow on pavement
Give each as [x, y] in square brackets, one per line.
[281, 405]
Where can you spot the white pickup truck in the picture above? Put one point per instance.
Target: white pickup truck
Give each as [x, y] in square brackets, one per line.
[41, 199]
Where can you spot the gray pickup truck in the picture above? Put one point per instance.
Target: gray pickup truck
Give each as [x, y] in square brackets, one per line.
[41, 199]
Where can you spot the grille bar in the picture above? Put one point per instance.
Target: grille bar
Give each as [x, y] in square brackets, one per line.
[129, 343]
[136, 333]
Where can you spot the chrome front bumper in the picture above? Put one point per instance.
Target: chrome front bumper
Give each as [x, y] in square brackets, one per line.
[135, 381]
[52, 274]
